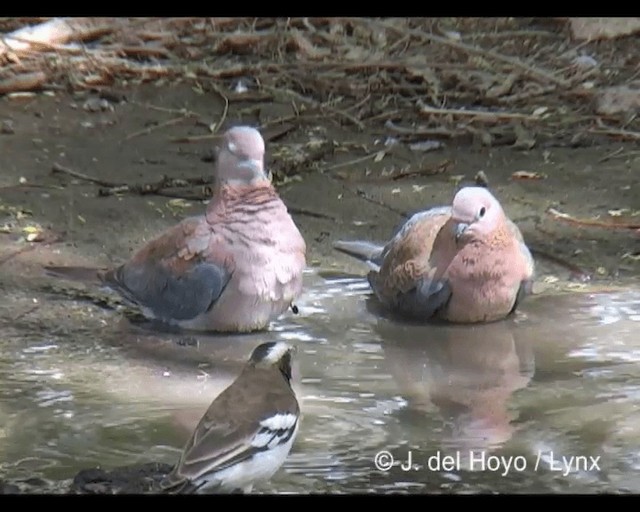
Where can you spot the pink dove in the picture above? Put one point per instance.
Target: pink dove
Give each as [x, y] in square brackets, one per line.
[467, 263]
[234, 269]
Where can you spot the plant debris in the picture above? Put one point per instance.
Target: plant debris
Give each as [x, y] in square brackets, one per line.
[432, 78]
[618, 224]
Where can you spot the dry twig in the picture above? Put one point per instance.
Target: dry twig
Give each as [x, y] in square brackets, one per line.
[591, 222]
[439, 168]
[164, 124]
[425, 132]
[310, 101]
[474, 50]
[59, 169]
[622, 134]
[577, 273]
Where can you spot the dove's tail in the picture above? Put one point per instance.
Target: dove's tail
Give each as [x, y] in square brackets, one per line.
[85, 274]
[365, 251]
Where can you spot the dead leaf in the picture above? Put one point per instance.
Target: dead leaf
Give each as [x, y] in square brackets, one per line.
[618, 99]
[481, 179]
[357, 53]
[539, 111]
[178, 204]
[33, 233]
[426, 145]
[502, 88]
[301, 44]
[603, 28]
[242, 43]
[528, 175]
[456, 178]
[524, 138]
[425, 73]
[97, 105]
[379, 156]
[6, 127]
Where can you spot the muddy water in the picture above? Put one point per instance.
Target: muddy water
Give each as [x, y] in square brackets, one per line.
[547, 401]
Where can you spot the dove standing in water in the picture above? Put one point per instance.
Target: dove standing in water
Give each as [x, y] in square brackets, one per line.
[466, 263]
[248, 431]
[235, 268]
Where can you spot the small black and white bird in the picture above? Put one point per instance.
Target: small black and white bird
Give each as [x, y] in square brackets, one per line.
[248, 431]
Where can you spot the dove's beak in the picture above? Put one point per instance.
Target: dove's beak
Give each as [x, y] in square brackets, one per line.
[460, 228]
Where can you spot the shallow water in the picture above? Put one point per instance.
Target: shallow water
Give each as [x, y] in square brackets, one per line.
[491, 408]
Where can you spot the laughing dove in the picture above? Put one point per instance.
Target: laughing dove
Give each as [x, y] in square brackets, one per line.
[466, 263]
[235, 268]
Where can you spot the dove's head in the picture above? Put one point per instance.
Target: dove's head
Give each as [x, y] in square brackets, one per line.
[476, 213]
[241, 157]
[274, 355]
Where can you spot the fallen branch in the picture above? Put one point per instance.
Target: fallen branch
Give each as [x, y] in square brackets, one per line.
[525, 95]
[143, 51]
[590, 222]
[491, 116]
[111, 188]
[24, 82]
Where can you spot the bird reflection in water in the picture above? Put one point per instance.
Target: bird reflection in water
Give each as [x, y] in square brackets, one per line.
[468, 374]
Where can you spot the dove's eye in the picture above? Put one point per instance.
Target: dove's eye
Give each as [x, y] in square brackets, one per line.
[232, 147]
[482, 211]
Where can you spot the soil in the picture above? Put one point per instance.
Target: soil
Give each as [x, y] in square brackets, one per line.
[352, 201]
[344, 173]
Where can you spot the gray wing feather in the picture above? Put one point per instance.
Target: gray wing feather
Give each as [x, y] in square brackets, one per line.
[168, 296]
[423, 301]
